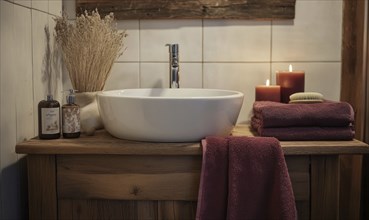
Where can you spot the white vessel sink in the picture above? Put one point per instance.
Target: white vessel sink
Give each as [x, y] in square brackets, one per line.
[169, 115]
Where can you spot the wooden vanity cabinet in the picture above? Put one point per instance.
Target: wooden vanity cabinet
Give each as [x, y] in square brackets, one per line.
[101, 177]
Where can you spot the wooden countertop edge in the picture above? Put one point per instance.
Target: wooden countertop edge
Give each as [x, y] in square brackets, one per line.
[114, 146]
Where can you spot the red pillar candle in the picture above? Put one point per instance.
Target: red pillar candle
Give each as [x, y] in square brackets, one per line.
[290, 82]
[268, 93]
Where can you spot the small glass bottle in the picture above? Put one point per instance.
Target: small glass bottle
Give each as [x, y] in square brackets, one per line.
[71, 117]
[49, 118]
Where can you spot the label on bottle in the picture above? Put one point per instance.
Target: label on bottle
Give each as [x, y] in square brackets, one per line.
[50, 120]
[71, 119]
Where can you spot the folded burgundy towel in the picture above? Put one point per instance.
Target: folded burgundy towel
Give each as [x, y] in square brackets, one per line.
[325, 114]
[244, 178]
[307, 133]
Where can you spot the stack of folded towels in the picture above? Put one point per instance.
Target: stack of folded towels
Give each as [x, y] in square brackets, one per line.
[302, 122]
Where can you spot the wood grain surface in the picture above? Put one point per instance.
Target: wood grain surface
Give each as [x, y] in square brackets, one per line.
[325, 177]
[354, 91]
[129, 177]
[103, 143]
[42, 187]
[192, 9]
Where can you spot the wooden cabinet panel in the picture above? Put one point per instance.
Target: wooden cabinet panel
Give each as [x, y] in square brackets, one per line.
[129, 177]
[325, 187]
[126, 210]
[298, 169]
[103, 178]
[42, 187]
[149, 178]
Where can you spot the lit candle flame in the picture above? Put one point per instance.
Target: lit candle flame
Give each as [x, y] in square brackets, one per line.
[267, 83]
[290, 68]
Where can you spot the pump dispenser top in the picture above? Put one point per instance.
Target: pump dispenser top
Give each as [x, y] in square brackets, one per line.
[71, 97]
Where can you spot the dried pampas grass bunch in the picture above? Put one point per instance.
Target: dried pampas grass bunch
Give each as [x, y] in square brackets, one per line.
[90, 46]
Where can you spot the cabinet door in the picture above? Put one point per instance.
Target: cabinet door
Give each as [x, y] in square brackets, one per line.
[298, 169]
[42, 187]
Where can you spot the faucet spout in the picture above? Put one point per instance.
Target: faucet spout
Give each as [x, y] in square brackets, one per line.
[173, 66]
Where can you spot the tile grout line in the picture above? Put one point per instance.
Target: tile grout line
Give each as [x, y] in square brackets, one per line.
[139, 54]
[202, 53]
[234, 62]
[31, 8]
[271, 52]
[33, 79]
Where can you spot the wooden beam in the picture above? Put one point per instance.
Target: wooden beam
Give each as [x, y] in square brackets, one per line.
[353, 92]
[191, 9]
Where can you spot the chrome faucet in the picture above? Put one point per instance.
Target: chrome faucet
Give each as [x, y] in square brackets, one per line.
[173, 66]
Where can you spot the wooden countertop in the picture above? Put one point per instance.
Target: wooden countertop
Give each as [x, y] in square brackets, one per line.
[103, 143]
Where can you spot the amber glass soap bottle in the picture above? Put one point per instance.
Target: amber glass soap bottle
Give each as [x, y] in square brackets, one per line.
[48, 118]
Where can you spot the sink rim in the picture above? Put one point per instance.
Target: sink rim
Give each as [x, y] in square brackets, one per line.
[120, 93]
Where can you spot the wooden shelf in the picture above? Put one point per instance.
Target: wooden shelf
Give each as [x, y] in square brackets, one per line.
[104, 143]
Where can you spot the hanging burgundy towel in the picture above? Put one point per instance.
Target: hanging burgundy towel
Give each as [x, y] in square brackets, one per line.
[213, 192]
[244, 178]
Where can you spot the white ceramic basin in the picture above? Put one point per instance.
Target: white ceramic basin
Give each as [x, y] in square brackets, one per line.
[169, 115]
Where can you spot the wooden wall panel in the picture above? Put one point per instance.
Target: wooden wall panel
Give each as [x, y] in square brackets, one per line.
[193, 9]
[353, 80]
[352, 76]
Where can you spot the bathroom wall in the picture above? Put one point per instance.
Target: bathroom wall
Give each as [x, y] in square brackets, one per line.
[22, 86]
[227, 54]
[233, 54]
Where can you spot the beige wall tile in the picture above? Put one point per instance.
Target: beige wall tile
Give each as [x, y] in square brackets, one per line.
[26, 3]
[237, 41]
[154, 75]
[8, 86]
[123, 76]
[155, 34]
[241, 77]
[42, 5]
[314, 35]
[56, 63]
[132, 41]
[55, 7]
[10, 170]
[39, 22]
[23, 72]
[190, 75]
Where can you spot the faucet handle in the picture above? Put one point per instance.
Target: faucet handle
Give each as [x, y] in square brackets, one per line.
[173, 48]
